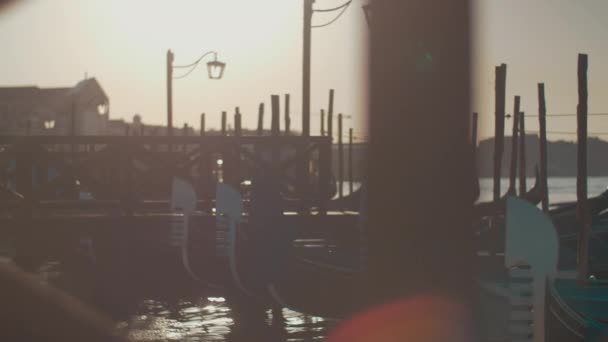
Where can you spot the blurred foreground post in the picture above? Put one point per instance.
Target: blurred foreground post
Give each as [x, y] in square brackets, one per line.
[32, 311]
[419, 82]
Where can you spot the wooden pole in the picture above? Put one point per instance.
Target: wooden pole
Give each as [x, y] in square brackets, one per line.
[542, 123]
[499, 128]
[330, 116]
[581, 179]
[224, 123]
[514, 140]
[350, 161]
[276, 115]
[322, 122]
[202, 132]
[169, 93]
[522, 154]
[261, 119]
[340, 158]
[474, 131]
[237, 122]
[287, 117]
[275, 130]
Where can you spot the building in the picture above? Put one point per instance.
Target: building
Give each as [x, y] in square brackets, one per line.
[81, 110]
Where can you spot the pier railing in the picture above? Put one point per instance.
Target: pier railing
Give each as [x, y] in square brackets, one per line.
[130, 171]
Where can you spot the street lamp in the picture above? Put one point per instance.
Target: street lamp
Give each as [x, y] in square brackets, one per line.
[49, 124]
[215, 70]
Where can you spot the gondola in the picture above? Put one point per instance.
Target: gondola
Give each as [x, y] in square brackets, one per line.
[534, 196]
[265, 268]
[564, 217]
[349, 202]
[525, 302]
[293, 280]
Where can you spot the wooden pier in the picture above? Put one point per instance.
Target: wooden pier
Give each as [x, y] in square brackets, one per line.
[67, 188]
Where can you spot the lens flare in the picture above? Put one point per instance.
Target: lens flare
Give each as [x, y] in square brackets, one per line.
[421, 319]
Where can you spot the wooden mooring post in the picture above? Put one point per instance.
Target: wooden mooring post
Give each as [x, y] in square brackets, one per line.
[275, 129]
[499, 127]
[237, 122]
[322, 122]
[522, 154]
[287, 116]
[275, 119]
[542, 123]
[224, 123]
[340, 159]
[350, 161]
[330, 116]
[474, 123]
[581, 178]
[202, 128]
[261, 119]
[514, 140]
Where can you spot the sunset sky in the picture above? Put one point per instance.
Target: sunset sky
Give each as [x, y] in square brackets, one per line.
[123, 44]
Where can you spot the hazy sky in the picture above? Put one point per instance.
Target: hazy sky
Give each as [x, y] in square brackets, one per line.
[539, 40]
[123, 44]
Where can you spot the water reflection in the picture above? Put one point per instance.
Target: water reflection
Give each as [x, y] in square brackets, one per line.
[178, 317]
[220, 319]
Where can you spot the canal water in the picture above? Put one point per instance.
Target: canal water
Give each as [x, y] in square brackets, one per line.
[212, 318]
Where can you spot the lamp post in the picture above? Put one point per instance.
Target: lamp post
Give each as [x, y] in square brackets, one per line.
[308, 13]
[215, 70]
[306, 68]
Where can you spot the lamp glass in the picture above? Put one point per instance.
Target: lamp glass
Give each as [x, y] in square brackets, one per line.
[215, 69]
[49, 124]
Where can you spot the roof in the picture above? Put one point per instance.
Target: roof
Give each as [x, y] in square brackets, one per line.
[27, 100]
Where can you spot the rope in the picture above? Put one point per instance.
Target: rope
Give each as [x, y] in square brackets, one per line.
[334, 19]
[186, 74]
[333, 9]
